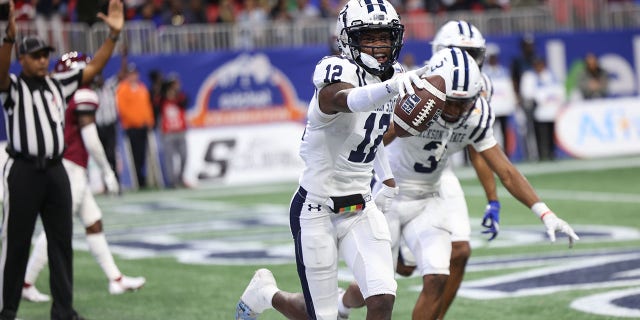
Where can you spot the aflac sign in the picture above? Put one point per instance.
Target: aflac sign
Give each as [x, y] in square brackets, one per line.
[600, 128]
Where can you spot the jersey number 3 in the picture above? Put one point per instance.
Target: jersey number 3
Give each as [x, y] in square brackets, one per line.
[433, 163]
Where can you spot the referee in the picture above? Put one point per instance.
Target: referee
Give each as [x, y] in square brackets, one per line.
[35, 179]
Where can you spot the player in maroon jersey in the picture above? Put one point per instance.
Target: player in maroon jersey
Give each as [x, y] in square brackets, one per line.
[81, 137]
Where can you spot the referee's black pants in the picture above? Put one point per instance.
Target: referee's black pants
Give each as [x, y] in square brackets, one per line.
[31, 189]
[138, 140]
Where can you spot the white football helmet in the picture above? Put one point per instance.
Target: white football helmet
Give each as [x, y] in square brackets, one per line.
[360, 16]
[463, 35]
[463, 81]
[487, 87]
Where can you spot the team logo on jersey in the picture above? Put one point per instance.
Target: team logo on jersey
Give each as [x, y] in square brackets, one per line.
[247, 89]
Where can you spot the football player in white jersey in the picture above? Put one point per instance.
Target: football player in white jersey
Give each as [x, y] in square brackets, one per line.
[464, 35]
[420, 212]
[333, 213]
[81, 137]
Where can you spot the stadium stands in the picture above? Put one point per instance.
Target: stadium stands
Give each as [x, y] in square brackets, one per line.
[146, 37]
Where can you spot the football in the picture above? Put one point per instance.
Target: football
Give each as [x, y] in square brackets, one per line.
[417, 112]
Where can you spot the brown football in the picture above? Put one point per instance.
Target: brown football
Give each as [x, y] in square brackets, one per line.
[417, 112]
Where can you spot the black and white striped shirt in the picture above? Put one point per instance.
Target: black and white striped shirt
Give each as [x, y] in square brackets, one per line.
[108, 112]
[34, 112]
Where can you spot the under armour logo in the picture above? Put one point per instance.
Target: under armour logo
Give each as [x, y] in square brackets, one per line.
[314, 208]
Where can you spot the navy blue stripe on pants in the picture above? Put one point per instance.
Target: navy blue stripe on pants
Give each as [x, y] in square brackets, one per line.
[294, 223]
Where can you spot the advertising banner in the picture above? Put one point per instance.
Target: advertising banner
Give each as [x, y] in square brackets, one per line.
[600, 128]
[258, 99]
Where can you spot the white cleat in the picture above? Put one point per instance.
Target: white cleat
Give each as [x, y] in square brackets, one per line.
[257, 296]
[31, 293]
[124, 284]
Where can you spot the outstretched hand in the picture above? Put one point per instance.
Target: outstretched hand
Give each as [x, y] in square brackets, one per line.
[115, 15]
[491, 219]
[411, 77]
[111, 183]
[553, 224]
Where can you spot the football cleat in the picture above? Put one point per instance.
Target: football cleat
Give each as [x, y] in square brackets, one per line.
[124, 284]
[243, 312]
[257, 296]
[31, 293]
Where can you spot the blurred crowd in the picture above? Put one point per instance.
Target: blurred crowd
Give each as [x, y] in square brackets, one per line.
[527, 96]
[179, 12]
[153, 120]
[527, 82]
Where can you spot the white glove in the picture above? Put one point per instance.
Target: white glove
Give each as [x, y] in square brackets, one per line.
[384, 197]
[553, 224]
[405, 80]
[111, 183]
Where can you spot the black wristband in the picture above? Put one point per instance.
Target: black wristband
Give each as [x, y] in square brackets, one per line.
[8, 39]
[113, 37]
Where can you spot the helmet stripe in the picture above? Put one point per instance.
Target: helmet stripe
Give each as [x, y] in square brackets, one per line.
[382, 7]
[455, 69]
[460, 28]
[466, 71]
[370, 4]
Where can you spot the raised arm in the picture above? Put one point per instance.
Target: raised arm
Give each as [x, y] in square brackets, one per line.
[115, 20]
[8, 43]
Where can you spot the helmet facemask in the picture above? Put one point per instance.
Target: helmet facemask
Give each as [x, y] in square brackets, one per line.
[355, 22]
[458, 109]
[358, 50]
[463, 81]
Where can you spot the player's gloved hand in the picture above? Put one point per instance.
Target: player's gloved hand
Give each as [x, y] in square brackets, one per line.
[553, 224]
[111, 183]
[405, 80]
[491, 219]
[384, 197]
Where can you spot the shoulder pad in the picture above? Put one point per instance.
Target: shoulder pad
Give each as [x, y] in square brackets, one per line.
[332, 69]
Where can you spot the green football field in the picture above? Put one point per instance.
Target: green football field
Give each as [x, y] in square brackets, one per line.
[199, 248]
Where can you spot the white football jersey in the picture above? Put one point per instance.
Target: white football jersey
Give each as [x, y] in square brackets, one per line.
[338, 149]
[418, 162]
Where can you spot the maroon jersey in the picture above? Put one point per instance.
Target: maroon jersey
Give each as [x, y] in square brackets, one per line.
[83, 101]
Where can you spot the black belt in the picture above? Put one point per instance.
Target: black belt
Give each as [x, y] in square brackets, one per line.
[39, 162]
